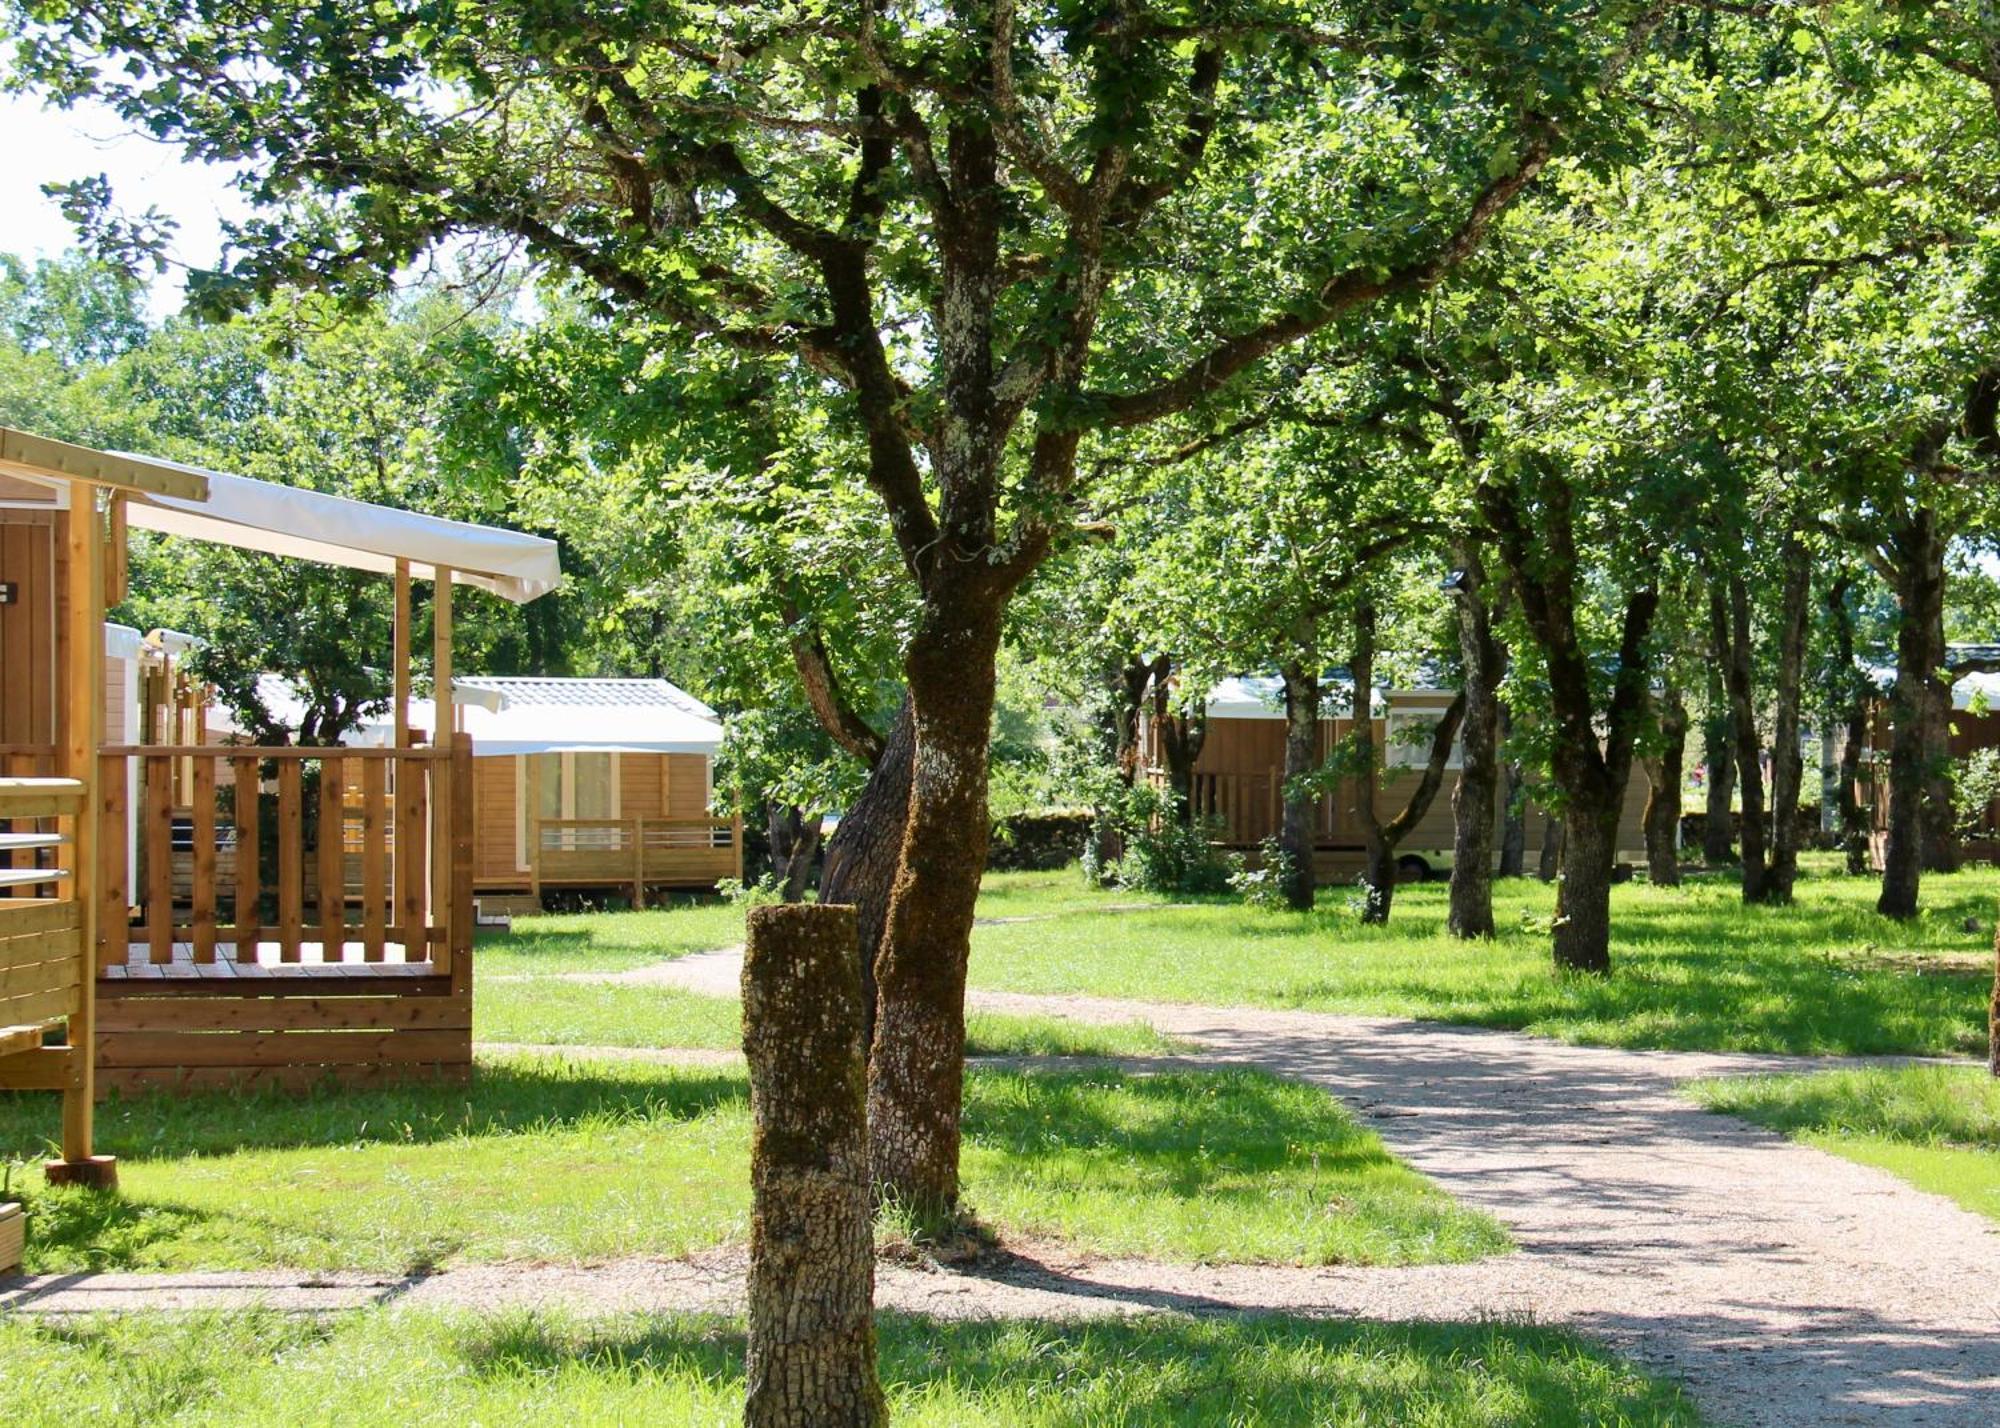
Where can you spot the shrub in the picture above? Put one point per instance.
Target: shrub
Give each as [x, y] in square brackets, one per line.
[1264, 885]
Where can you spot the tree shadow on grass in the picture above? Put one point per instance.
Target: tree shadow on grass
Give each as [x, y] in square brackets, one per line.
[1148, 1370]
[507, 1097]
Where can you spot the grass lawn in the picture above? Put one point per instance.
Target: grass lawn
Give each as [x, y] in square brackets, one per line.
[545, 1159]
[1693, 967]
[1938, 1127]
[608, 941]
[546, 1012]
[406, 1367]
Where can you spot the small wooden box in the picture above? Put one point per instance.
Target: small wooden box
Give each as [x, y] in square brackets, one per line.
[13, 1238]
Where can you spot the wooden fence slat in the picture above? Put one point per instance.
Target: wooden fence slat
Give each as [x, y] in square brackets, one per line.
[374, 859]
[248, 892]
[411, 867]
[114, 917]
[332, 859]
[159, 845]
[202, 892]
[291, 861]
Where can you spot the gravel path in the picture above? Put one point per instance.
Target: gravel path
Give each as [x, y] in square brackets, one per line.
[1781, 1284]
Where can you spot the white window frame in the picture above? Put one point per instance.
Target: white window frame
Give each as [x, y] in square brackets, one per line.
[1406, 753]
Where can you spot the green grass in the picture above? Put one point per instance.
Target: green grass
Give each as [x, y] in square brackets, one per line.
[546, 1012]
[1692, 967]
[1937, 1127]
[543, 1159]
[608, 941]
[438, 1368]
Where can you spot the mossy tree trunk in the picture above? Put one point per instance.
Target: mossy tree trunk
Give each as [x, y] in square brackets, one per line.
[1729, 616]
[811, 1290]
[1788, 769]
[1665, 774]
[1718, 755]
[1514, 809]
[1852, 709]
[916, 1068]
[1915, 553]
[1535, 533]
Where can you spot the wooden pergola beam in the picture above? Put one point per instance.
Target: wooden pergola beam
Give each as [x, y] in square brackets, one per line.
[26, 454]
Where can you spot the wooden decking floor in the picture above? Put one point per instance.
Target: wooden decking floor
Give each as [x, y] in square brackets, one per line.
[266, 960]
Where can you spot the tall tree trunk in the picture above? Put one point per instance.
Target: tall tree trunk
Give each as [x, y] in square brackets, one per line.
[1381, 837]
[1788, 768]
[916, 1073]
[811, 1289]
[1300, 672]
[1181, 738]
[1548, 862]
[1583, 893]
[1470, 913]
[1718, 755]
[795, 843]
[1665, 774]
[1733, 633]
[1854, 696]
[1916, 553]
[1513, 810]
[1993, 1011]
[866, 847]
[1941, 854]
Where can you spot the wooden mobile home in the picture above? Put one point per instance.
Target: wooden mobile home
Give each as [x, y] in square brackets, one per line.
[589, 784]
[324, 926]
[1239, 777]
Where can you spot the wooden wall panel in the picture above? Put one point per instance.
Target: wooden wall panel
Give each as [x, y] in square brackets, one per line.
[495, 829]
[27, 628]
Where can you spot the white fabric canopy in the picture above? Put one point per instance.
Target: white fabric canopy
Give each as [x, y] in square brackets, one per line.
[1262, 696]
[311, 525]
[542, 716]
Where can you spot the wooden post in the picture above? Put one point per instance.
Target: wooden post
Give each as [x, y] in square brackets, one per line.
[812, 1254]
[406, 872]
[83, 734]
[533, 814]
[249, 889]
[638, 826]
[736, 843]
[332, 881]
[443, 736]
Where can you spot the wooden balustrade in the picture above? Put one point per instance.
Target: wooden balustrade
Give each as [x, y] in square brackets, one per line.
[314, 855]
[41, 926]
[634, 852]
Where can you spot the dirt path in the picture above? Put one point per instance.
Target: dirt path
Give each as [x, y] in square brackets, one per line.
[1781, 1284]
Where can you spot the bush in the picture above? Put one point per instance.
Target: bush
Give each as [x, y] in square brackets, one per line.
[1039, 842]
[763, 892]
[1161, 852]
[1264, 885]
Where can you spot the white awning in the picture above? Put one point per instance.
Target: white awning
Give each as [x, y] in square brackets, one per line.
[332, 530]
[1262, 696]
[532, 715]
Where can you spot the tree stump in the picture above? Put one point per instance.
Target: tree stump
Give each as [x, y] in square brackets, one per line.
[812, 1246]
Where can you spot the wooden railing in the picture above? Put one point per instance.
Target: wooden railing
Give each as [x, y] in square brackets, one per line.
[305, 854]
[41, 925]
[634, 852]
